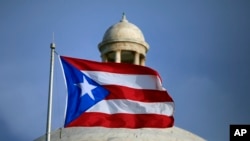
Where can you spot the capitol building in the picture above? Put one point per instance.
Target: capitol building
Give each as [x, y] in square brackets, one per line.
[122, 42]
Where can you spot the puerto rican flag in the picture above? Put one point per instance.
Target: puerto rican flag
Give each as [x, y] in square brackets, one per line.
[115, 95]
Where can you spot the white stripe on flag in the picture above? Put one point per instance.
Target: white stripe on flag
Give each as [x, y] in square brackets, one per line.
[136, 81]
[133, 107]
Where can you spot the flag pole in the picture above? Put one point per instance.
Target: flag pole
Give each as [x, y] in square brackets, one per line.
[48, 129]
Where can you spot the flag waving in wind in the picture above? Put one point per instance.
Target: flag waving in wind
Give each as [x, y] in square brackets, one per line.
[115, 95]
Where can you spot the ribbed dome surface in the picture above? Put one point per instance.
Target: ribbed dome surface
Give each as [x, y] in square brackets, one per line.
[124, 31]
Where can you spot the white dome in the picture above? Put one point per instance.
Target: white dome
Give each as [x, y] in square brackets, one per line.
[121, 134]
[123, 31]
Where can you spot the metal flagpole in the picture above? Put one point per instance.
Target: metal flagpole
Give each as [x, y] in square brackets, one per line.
[48, 129]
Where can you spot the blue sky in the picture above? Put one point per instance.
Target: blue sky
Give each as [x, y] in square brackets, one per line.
[200, 48]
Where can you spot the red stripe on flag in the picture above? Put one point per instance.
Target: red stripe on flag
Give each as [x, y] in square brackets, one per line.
[121, 92]
[123, 120]
[122, 68]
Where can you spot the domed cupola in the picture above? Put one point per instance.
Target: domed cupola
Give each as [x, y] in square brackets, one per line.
[123, 42]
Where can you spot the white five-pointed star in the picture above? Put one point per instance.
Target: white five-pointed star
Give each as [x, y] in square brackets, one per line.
[86, 88]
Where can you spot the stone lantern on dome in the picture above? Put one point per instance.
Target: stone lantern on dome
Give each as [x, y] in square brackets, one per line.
[123, 42]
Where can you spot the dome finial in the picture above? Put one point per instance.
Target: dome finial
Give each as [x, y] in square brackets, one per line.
[124, 19]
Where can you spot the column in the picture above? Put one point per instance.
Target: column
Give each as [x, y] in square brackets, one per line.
[137, 58]
[118, 56]
[142, 61]
[104, 58]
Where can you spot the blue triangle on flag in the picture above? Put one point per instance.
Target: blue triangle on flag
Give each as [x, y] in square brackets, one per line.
[83, 92]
